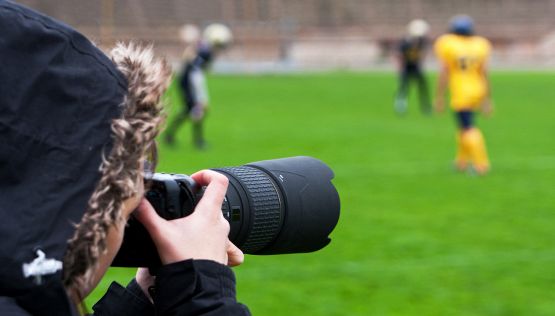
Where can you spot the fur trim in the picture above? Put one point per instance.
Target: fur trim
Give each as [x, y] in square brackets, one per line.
[148, 77]
[133, 134]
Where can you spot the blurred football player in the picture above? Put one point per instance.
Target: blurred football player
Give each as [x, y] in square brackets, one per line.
[410, 55]
[198, 55]
[464, 56]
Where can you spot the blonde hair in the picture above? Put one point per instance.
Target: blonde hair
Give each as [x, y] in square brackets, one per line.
[133, 135]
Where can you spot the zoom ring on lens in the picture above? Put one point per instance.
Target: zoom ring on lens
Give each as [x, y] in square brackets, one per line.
[265, 206]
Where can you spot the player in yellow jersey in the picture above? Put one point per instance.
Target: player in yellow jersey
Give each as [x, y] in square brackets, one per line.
[464, 56]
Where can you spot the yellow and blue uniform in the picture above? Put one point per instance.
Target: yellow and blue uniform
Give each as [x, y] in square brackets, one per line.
[465, 57]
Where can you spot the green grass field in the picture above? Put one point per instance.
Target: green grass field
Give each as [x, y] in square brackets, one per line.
[414, 237]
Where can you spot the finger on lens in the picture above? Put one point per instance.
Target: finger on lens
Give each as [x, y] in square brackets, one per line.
[204, 177]
[216, 188]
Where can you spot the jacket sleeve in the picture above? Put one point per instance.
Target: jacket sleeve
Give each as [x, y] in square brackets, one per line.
[120, 301]
[196, 287]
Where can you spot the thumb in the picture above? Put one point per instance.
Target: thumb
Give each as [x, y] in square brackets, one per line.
[147, 216]
[234, 255]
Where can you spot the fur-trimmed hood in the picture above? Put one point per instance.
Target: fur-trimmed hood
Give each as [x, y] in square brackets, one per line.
[74, 126]
[133, 135]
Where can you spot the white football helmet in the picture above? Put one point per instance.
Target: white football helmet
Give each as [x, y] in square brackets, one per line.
[418, 28]
[217, 35]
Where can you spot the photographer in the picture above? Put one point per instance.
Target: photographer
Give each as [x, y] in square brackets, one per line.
[77, 140]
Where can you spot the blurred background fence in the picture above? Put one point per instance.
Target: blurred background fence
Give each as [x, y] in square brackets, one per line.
[283, 35]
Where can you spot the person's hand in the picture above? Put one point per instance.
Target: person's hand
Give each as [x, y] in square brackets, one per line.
[487, 107]
[201, 235]
[197, 112]
[145, 281]
[439, 105]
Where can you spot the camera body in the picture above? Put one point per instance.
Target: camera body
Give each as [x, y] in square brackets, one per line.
[278, 206]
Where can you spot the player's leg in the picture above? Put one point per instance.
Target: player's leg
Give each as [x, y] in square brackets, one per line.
[401, 103]
[462, 158]
[423, 93]
[182, 116]
[174, 125]
[478, 151]
[473, 143]
[198, 115]
[198, 135]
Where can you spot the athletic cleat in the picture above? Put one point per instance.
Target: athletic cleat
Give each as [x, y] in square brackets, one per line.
[201, 145]
[169, 139]
[427, 110]
[401, 105]
[460, 166]
[481, 170]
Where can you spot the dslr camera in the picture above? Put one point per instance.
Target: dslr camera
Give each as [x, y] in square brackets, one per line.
[277, 206]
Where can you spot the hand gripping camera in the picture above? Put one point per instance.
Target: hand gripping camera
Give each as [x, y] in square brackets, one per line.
[275, 206]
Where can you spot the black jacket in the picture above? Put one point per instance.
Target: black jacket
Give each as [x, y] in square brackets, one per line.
[191, 287]
[59, 95]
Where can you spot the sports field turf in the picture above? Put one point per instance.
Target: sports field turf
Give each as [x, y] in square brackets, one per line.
[414, 237]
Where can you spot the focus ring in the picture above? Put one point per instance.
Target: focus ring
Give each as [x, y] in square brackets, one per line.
[265, 206]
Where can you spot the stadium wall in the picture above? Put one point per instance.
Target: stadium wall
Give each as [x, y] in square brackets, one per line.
[289, 35]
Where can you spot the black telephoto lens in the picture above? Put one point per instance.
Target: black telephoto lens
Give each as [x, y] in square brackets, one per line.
[277, 206]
